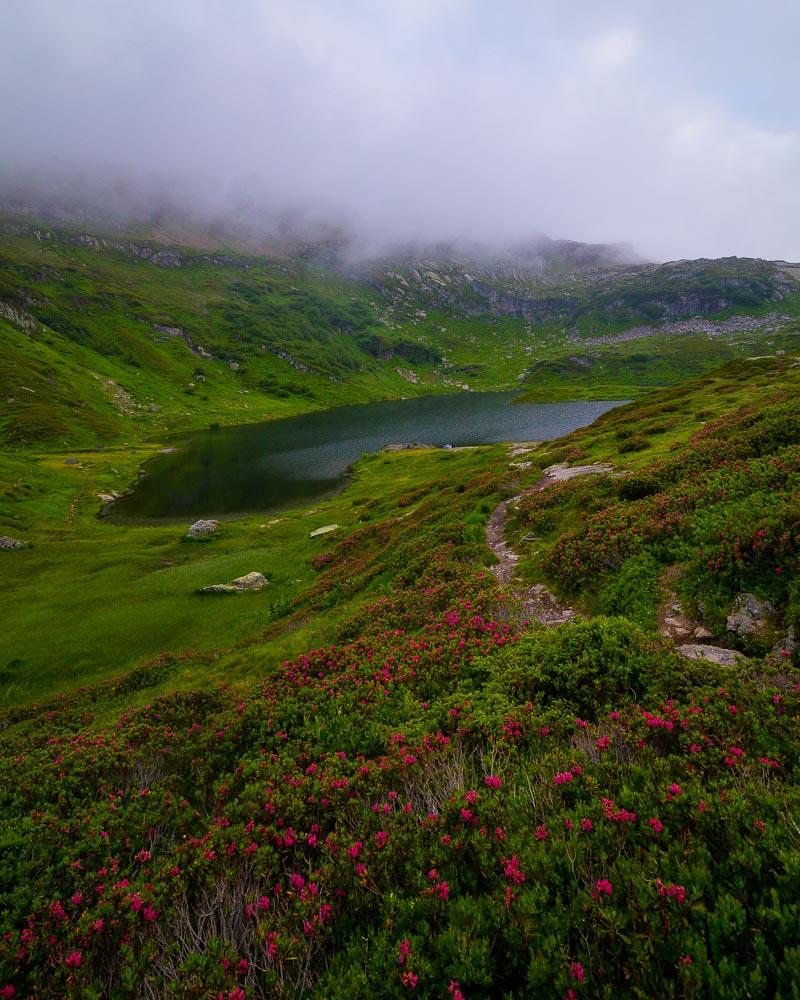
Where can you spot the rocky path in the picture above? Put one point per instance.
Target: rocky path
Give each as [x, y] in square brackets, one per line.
[537, 602]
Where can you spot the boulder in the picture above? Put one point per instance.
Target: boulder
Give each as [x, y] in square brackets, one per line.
[250, 581]
[713, 654]
[750, 616]
[7, 542]
[202, 529]
[326, 529]
[785, 649]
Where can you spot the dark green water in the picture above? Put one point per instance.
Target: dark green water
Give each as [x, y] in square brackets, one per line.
[280, 463]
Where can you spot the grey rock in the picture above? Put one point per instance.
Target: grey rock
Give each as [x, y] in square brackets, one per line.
[324, 530]
[701, 632]
[786, 648]
[7, 542]
[201, 529]
[750, 615]
[250, 581]
[713, 654]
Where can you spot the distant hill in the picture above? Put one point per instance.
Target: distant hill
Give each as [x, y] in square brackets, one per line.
[107, 330]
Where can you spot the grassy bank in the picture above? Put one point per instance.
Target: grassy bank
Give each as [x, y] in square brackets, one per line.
[89, 599]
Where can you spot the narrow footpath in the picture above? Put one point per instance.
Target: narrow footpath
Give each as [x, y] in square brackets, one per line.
[537, 602]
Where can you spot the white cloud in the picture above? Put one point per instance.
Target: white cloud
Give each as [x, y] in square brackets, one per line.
[427, 117]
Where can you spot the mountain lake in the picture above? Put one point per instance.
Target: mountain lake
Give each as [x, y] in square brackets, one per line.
[281, 463]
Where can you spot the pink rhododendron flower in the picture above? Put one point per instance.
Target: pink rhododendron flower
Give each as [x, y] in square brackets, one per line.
[677, 892]
[512, 870]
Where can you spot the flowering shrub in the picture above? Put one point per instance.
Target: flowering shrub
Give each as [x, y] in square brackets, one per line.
[437, 803]
[726, 507]
[433, 788]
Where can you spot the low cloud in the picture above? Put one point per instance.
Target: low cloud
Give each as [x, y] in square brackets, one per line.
[666, 126]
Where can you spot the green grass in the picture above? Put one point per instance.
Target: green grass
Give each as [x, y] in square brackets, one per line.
[83, 366]
[629, 370]
[87, 356]
[89, 599]
[649, 443]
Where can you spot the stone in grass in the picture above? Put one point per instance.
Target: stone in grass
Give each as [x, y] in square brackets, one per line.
[751, 616]
[201, 530]
[713, 654]
[7, 542]
[250, 581]
[323, 530]
[785, 649]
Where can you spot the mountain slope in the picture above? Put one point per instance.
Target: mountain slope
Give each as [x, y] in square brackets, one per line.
[496, 809]
[126, 336]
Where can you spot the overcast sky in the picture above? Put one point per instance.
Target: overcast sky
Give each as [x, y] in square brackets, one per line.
[672, 124]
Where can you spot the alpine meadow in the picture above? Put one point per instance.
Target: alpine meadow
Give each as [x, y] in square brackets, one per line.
[398, 601]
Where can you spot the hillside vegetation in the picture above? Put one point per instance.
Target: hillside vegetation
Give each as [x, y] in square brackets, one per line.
[113, 335]
[399, 787]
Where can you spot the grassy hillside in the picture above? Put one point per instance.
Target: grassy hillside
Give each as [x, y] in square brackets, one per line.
[110, 336]
[628, 368]
[427, 797]
[118, 345]
[130, 593]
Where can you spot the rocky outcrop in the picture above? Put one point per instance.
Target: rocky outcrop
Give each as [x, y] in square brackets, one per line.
[713, 654]
[177, 331]
[751, 617]
[7, 542]
[201, 530]
[712, 328]
[253, 581]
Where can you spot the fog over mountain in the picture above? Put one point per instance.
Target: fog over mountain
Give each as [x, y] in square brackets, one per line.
[670, 126]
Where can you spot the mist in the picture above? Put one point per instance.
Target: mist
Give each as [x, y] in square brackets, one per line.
[672, 127]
